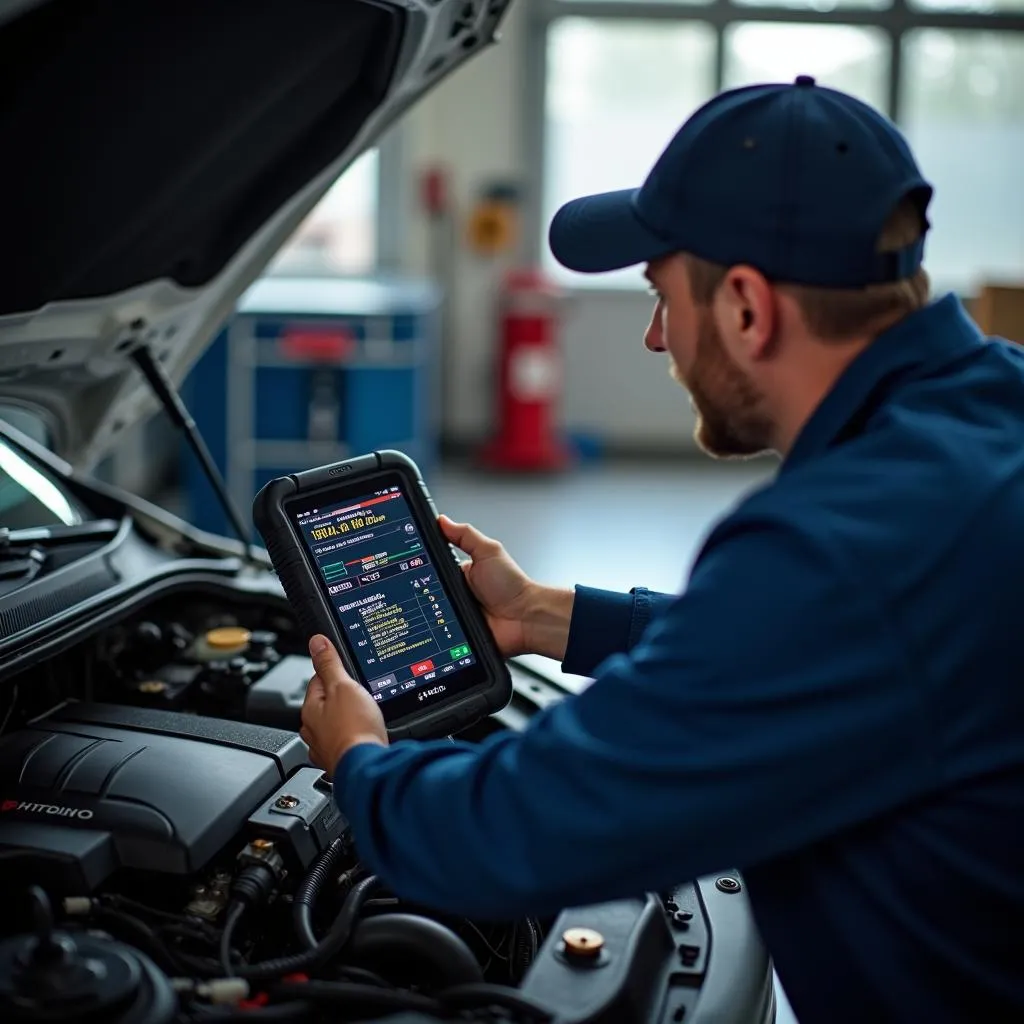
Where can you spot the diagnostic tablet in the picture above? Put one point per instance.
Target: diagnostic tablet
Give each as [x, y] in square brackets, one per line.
[362, 559]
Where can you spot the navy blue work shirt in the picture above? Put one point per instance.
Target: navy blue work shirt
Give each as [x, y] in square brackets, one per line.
[834, 705]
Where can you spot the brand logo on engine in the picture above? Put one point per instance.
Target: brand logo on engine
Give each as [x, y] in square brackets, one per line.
[82, 813]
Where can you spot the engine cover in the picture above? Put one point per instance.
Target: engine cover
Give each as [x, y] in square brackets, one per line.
[94, 788]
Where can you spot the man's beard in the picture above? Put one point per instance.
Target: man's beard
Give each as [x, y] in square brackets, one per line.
[731, 422]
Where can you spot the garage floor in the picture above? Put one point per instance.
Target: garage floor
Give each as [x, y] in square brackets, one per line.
[609, 527]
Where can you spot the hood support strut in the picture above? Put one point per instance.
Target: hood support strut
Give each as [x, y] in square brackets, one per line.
[179, 415]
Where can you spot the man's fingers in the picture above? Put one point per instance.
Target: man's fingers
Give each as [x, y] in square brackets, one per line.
[314, 691]
[327, 663]
[471, 540]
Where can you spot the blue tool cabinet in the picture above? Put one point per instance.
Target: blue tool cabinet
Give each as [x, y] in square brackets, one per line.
[309, 371]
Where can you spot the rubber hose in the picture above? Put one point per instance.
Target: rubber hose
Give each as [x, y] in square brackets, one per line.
[397, 939]
[466, 997]
[306, 896]
[236, 911]
[328, 947]
[137, 933]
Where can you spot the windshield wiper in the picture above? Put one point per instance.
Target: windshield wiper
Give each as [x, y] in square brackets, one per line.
[51, 536]
[23, 565]
[23, 553]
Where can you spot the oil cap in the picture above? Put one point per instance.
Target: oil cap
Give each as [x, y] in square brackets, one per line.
[228, 638]
[582, 945]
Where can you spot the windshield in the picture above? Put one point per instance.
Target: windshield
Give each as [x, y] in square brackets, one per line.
[28, 497]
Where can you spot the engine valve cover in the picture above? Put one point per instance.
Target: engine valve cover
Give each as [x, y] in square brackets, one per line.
[94, 788]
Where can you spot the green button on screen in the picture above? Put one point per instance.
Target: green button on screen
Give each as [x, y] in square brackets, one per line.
[459, 652]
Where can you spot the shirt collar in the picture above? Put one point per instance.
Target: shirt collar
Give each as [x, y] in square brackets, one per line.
[932, 335]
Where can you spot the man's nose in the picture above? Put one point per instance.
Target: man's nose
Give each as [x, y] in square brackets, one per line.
[653, 339]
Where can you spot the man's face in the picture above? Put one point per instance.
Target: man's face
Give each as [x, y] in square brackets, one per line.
[731, 421]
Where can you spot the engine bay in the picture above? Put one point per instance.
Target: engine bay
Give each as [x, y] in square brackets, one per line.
[169, 854]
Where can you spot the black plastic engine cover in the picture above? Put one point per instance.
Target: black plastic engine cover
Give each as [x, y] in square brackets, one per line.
[93, 788]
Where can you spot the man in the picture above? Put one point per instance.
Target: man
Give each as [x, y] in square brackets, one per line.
[834, 704]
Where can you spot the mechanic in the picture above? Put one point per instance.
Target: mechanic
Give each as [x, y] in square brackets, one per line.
[834, 704]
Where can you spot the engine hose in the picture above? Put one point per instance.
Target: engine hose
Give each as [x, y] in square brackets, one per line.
[356, 998]
[435, 953]
[306, 896]
[329, 946]
[465, 997]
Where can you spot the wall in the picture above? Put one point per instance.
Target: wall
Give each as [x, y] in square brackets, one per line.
[474, 125]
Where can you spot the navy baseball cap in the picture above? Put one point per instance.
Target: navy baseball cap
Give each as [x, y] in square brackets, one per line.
[796, 180]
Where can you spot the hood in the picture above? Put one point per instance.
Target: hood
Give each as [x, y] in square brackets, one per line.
[156, 157]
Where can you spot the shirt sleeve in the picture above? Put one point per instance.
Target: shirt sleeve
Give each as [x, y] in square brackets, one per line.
[769, 706]
[605, 622]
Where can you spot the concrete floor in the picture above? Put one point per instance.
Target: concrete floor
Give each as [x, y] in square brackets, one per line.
[614, 527]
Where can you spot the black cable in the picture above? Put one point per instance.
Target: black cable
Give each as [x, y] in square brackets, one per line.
[491, 949]
[479, 995]
[294, 1011]
[364, 997]
[306, 896]
[179, 925]
[329, 946]
[141, 936]
[235, 913]
[362, 976]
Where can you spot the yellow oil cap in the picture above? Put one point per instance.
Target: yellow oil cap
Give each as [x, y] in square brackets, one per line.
[228, 638]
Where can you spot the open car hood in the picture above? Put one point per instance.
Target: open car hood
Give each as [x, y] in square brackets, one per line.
[156, 157]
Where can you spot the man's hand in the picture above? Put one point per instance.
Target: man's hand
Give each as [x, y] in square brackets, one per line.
[338, 713]
[525, 617]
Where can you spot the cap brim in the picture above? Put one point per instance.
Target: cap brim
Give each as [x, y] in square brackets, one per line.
[599, 233]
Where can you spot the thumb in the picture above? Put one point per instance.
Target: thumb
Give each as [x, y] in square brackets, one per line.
[470, 540]
[327, 662]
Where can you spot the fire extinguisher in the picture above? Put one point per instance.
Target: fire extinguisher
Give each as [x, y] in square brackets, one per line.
[530, 376]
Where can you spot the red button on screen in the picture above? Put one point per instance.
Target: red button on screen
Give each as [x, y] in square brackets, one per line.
[423, 666]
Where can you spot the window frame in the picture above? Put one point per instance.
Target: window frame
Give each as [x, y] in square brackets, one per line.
[895, 21]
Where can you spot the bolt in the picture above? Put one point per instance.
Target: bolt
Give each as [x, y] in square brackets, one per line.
[727, 884]
[287, 802]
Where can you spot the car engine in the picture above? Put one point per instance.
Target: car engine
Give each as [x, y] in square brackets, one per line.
[167, 853]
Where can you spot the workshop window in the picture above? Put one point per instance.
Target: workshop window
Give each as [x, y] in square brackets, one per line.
[340, 235]
[616, 92]
[963, 112]
[621, 75]
[846, 57]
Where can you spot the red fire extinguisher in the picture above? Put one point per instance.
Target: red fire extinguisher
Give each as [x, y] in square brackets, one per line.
[529, 376]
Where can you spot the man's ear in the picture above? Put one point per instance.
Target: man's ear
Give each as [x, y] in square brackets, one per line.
[746, 314]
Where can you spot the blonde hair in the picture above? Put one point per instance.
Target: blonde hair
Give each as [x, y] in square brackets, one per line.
[838, 314]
